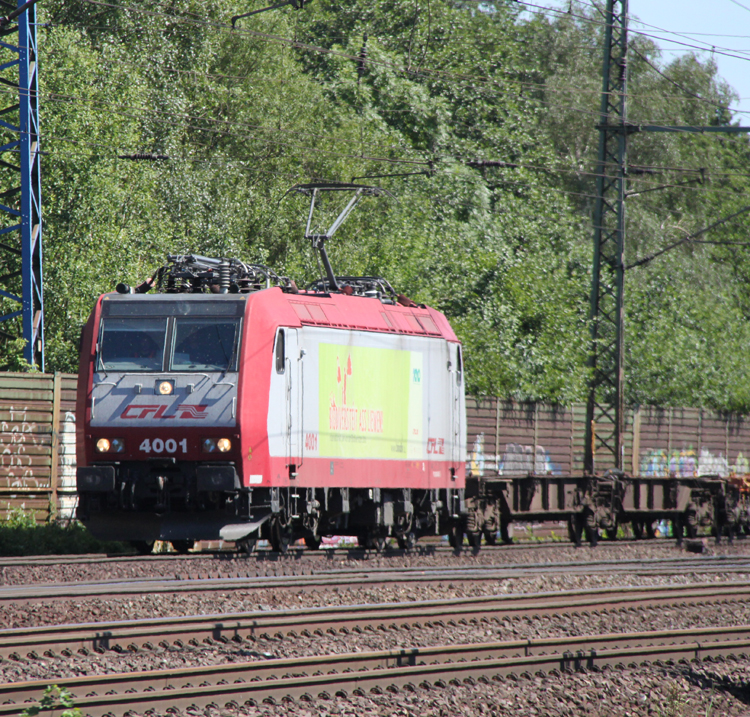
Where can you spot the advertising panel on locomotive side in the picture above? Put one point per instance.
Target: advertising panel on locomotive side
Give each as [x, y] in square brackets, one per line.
[376, 410]
[362, 392]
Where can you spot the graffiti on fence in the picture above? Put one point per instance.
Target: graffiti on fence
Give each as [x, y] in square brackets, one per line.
[684, 463]
[15, 436]
[516, 459]
[659, 462]
[478, 459]
[67, 488]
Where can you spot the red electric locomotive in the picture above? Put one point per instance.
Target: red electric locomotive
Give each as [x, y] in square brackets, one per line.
[230, 405]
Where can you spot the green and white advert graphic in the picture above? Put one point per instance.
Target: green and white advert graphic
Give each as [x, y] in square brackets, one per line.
[370, 402]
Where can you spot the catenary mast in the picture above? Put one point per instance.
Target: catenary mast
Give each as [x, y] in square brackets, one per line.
[21, 293]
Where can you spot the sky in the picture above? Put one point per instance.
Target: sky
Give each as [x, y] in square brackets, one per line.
[723, 24]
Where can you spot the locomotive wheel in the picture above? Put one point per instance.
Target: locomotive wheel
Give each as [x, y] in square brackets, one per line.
[407, 541]
[402, 529]
[456, 536]
[143, 547]
[312, 541]
[490, 537]
[281, 537]
[475, 539]
[372, 540]
[183, 546]
[376, 541]
[246, 546]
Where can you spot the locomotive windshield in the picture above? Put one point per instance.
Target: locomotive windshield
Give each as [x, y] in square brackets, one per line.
[205, 344]
[132, 344]
[197, 344]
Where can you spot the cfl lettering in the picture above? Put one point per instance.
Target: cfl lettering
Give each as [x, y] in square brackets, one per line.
[436, 445]
[184, 410]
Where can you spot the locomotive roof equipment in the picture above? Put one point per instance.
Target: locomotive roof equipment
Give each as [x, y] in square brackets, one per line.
[364, 284]
[194, 274]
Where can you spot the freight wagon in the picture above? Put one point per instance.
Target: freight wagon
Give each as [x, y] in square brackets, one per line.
[687, 467]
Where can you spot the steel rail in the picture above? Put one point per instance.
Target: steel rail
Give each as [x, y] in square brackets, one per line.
[322, 676]
[324, 553]
[364, 577]
[132, 635]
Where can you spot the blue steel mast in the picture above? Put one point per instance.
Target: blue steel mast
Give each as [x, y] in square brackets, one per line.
[21, 295]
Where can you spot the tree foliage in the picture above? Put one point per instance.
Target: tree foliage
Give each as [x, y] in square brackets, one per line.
[488, 117]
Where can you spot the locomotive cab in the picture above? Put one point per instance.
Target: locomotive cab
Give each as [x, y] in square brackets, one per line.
[162, 444]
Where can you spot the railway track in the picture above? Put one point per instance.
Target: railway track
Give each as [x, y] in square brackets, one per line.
[408, 669]
[367, 577]
[297, 554]
[131, 635]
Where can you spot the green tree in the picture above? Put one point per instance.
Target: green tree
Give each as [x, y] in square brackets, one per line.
[478, 118]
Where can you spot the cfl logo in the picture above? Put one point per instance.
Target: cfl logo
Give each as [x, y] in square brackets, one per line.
[184, 410]
[436, 445]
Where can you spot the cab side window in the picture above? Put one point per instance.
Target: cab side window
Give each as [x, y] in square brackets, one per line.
[280, 352]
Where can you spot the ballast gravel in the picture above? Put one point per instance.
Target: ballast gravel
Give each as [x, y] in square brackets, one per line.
[694, 690]
[79, 610]
[267, 647]
[706, 690]
[264, 564]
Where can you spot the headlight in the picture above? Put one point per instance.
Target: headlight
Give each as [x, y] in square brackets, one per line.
[116, 445]
[208, 445]
[224, 444]
[165, 388]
